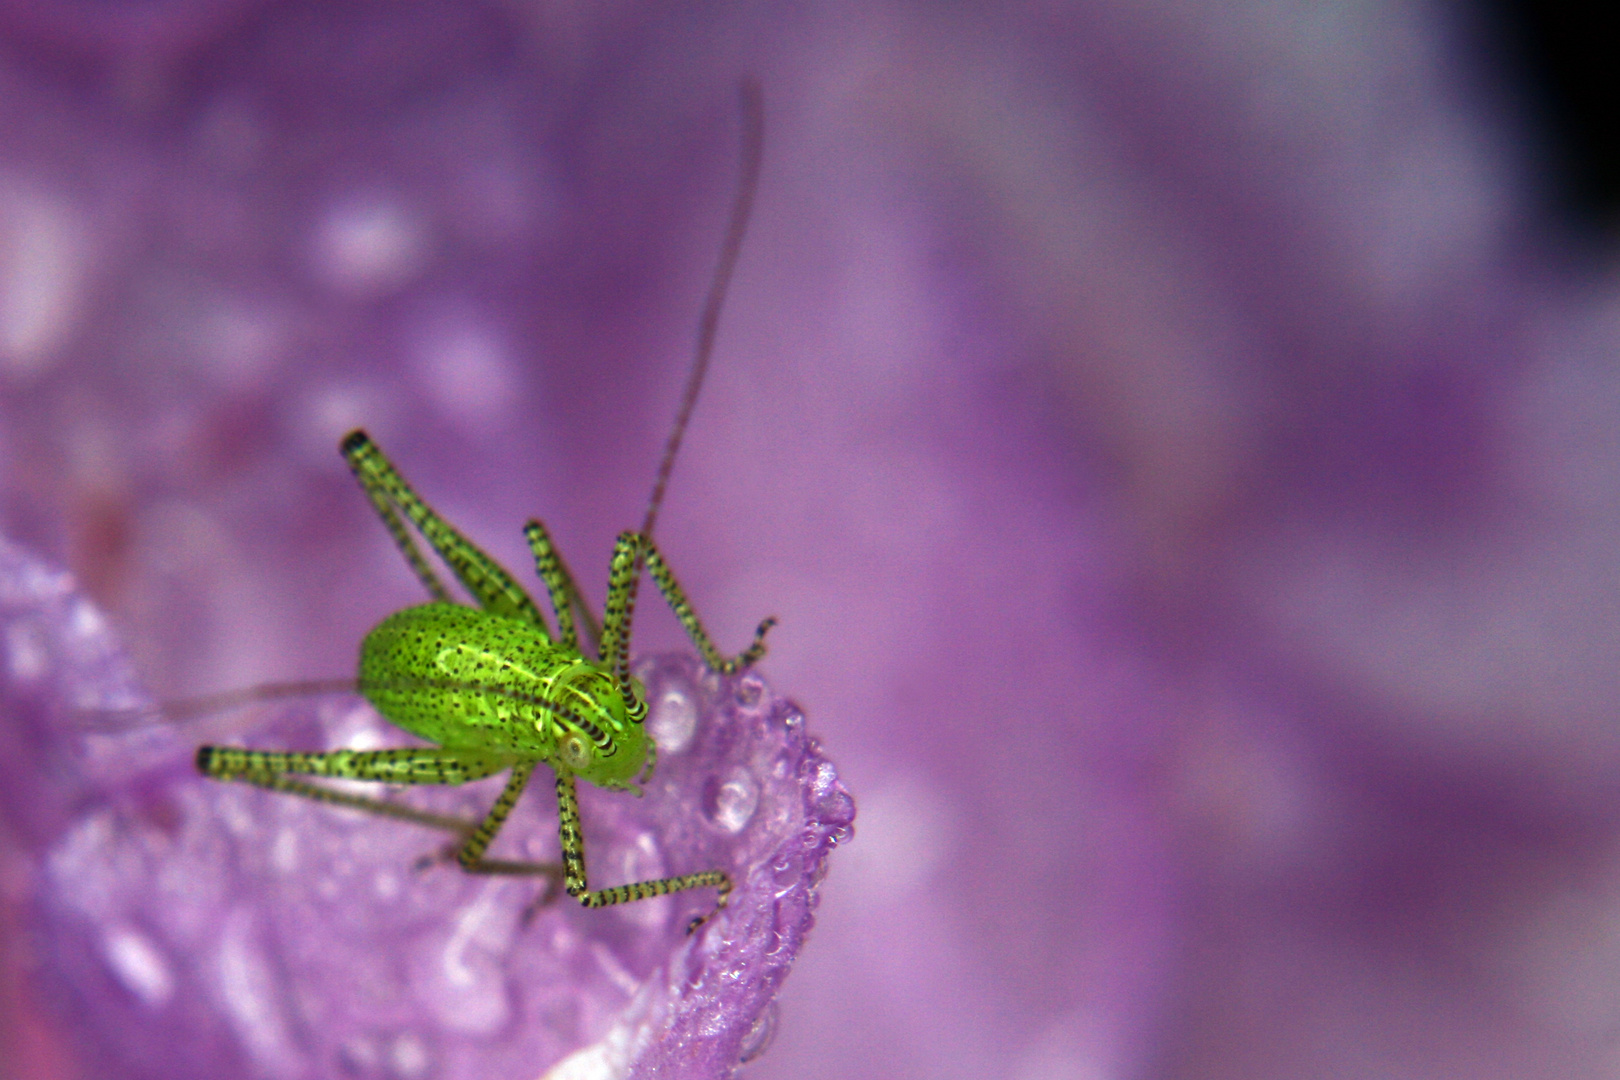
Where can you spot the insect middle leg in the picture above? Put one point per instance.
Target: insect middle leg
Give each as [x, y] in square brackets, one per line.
[564, 591]
[573, 854]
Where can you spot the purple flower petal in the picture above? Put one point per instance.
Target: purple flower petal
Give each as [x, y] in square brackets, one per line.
[1176, 448]
[209, 926]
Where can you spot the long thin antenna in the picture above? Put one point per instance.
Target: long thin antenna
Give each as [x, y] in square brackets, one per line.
[186, 708]
[753, 150]
[111, 721]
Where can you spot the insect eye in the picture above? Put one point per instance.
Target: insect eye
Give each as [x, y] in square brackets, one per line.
[575, 754]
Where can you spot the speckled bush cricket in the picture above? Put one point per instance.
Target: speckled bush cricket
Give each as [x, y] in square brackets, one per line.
[491, 686]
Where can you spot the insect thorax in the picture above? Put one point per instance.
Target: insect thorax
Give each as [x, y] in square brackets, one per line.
[468, 679]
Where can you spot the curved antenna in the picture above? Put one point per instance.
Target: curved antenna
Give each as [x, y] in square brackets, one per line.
[180, 710]
[753, 149]
[188, 708]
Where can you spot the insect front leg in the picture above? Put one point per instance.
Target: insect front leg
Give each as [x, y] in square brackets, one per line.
[471, 853]
[573, 853]
[621, 604]
[675, 596]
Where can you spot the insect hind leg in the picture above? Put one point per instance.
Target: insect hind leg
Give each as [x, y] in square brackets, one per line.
[414, 765]
[380, 807]
[495, 590]
[273, 771]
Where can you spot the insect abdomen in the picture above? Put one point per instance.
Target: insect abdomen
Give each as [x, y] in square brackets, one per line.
[462, 677]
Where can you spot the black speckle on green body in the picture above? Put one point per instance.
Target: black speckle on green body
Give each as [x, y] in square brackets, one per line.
[494, 691]
[469, 680]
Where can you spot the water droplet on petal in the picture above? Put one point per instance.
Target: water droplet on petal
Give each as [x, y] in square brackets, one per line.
[370, 245]
[26, 650]
[409, 1057]
[750, 691]
[672, 720]
[284, 851]
[140, 965]
[759, 1037]
[254, 997]
[731, 802]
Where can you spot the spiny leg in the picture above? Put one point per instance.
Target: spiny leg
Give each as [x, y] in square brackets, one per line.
[471, 853]
[620, 613]
[380, 807]
[489, 583]
[412, 765]
[573, 854]
[407, 765]
[621, 603]
[407, 544]
[592, 625]
[559, 584]
[678, 603]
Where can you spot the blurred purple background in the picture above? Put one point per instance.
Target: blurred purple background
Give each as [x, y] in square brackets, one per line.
[1181, 455]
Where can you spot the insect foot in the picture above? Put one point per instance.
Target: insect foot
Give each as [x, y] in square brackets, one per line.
[444, 855]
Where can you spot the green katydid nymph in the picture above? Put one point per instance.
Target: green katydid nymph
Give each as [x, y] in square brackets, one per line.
[493, 686]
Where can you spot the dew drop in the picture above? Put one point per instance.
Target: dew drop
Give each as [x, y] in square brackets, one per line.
[370, 245]
[409, 1057]
[641, 860]
[140, 965]
[595, 1062]
[786, 875]
[358, 1055]
[750, 691]
[85, 621]
[731, 802]
[26, 653]
[253, 996]
[284, 851]
[467, 371]
[385, 885]
[45, 251]
[759, 1037]
[672, 720]
[460, 977]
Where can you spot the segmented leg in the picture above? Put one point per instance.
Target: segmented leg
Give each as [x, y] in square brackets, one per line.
[495, 590]
[413, 765]
[573, 853]
[678, 603]
[408, 765]
[591, 624]
[381, 807]
[620, 613]
[621, 603]
[559, 583]
[471, 856]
